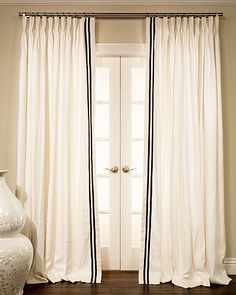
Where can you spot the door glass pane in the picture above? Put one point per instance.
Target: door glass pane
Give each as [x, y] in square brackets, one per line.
[138, 83]
[102, 83]
[137, 156]
[103, 193]
[104, 223]
[102, 156]
[137, 194]
[136, 230]
[102, 120]
[137, 121]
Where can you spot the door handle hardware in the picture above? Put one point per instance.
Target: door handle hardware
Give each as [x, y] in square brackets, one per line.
[126, 169]
[114, 169]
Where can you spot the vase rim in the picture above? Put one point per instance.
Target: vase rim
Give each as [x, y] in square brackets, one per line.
[2, 172]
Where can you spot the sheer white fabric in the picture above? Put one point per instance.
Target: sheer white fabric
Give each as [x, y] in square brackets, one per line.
[53, 149]
[185, 215]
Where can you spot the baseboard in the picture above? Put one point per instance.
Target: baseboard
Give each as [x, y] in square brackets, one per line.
[230, 266]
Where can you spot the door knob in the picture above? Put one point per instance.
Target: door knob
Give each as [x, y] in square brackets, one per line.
[126, 169]
[114, 169]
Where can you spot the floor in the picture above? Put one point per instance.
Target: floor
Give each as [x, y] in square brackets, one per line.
[117, 282]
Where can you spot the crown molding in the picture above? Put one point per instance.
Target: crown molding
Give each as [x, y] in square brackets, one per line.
[118, 2]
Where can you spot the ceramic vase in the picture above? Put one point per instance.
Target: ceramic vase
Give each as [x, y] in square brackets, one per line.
[16, 251]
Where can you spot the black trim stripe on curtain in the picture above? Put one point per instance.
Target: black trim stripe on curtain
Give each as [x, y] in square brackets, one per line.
[93, 249]
[148, 219]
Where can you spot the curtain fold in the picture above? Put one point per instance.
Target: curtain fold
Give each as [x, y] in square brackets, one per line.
[183, 236]
[55, 167]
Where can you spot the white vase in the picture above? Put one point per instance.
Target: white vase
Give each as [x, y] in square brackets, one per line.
[16, 251]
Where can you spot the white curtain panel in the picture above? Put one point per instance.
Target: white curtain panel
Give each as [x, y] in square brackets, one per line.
[183, 235]
[55, 165]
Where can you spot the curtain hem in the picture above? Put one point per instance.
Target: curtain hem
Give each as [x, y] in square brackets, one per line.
[155, 278]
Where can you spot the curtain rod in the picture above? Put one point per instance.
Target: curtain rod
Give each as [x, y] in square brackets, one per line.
[120, 15]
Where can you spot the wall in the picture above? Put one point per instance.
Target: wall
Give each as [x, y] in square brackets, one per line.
[119, 31]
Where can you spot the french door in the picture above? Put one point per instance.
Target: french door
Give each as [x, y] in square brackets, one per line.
[119, 133]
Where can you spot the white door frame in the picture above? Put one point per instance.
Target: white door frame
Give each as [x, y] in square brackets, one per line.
[118, 50]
